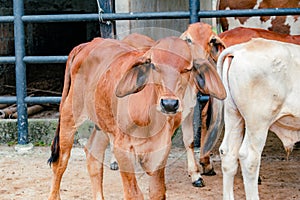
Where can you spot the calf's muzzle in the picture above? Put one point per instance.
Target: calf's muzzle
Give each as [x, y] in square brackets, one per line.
[169, 105]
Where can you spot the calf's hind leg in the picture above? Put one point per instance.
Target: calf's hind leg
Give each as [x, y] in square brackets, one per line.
[95, 152]
[250, 158]
[113, 161]
[207, 166]
[229, 149]
[64, 142]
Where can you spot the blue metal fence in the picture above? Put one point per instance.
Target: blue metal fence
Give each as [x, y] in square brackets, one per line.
[20, 59]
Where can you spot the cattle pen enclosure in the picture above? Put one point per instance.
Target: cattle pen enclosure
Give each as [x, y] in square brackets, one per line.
[279, 177]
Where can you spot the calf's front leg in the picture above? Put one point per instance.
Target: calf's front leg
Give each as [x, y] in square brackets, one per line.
[157, 185]
[188, 140]
[126, 160]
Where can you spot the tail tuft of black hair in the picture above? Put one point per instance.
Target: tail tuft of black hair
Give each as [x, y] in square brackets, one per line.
[55, 147]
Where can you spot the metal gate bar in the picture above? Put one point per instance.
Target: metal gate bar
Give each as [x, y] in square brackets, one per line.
[19, 35]
[152, 15]
[20, 59]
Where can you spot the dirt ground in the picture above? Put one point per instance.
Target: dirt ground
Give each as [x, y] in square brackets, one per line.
[28, 176]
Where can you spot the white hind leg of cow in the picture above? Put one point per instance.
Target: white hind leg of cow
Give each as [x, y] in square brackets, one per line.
[65, 143]
[250, 158]
[233, 136]
[188, 139]
[95, 152]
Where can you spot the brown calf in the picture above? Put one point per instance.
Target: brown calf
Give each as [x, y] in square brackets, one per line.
[204, 43]
[138, 98]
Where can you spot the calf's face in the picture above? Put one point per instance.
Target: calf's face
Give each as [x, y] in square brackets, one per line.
[203, 42]
[205, 47]
[169, 67]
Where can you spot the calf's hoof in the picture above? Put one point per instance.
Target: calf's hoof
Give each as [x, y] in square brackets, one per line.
[199, 183]
[114, 166]
[210, 172]
[259, 180]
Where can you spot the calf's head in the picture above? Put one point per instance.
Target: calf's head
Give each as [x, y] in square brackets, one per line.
[203, 42]
[170, 68]
[205, 46]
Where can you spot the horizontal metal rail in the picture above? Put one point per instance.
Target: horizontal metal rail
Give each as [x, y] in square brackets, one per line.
[45, 59]
[30, 100]
[35, 59]
[152, 15]
[7, 60]
[6, 19]
[53, 99]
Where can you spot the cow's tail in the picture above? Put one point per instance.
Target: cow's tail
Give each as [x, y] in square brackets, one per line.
[55, 148]
[227, 53]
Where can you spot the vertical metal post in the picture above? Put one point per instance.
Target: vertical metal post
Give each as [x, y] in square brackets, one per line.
[194, 9]
[18, 7]
[107, 28]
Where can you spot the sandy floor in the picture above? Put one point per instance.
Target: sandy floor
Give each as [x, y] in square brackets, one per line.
[28, 176]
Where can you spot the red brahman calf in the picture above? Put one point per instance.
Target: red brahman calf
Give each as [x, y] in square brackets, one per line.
[138, 98]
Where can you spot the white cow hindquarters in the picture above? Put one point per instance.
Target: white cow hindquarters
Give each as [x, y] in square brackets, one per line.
[253, 76]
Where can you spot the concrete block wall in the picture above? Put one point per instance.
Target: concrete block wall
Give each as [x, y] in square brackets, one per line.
[41, 132]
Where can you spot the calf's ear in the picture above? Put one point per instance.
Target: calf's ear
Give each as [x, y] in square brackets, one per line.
[207, 79]
[217, 46]
[135, 79]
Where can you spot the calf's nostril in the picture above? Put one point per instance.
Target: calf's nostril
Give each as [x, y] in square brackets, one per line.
[169, 105]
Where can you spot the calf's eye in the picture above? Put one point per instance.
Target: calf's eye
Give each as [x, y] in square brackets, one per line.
[188, 40]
